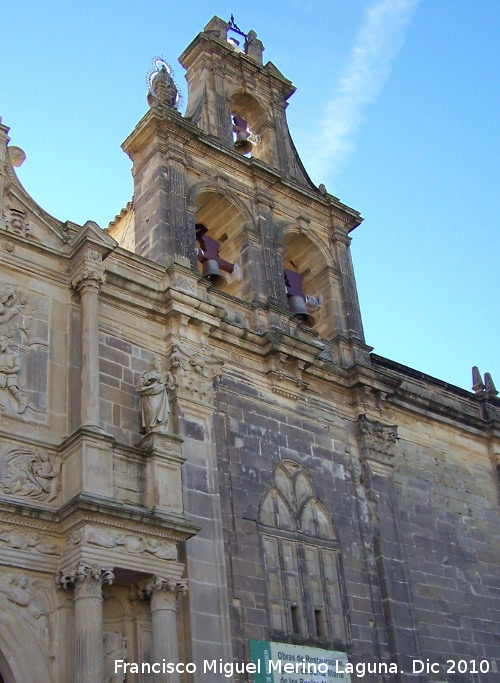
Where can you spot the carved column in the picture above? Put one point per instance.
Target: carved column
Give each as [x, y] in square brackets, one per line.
[87, 280]
[89, 650]
[163, 595]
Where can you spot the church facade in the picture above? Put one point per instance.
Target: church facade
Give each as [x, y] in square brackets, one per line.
[201, 461]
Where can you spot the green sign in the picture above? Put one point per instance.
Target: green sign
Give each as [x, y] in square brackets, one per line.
[284, 663]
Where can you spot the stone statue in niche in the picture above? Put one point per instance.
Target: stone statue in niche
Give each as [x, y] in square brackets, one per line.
[115, 648]
[152, 389]
[24, 472]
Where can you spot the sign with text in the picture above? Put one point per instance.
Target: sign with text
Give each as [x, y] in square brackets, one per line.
[284, 663]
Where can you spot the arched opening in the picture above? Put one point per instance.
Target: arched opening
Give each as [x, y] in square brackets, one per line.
[15, 665]
[245, 108]
[307, 282]
[219, 237]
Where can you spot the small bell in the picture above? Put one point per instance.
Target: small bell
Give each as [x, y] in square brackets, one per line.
[297, 306]
[211, 272]
[242, 144]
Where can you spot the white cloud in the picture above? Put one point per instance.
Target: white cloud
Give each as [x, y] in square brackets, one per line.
[377, 44]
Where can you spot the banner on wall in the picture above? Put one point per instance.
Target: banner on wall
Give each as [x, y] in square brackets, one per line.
[284, 663]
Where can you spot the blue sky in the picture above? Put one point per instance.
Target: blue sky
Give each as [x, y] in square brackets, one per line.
[396, 112]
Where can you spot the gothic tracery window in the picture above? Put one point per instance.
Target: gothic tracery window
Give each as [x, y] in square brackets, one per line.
[301, 551]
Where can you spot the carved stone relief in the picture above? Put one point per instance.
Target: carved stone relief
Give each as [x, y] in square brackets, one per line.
[21, 540]
[376, 440]
[29, 473]
[17, 222]
[194, 374]
[24, 340]
[130, 542]
[28, 596]
[115, 648]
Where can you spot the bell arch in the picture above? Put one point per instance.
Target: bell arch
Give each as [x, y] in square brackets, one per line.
[308, 273]
[15, 665]
[260, 124]
[221, 222]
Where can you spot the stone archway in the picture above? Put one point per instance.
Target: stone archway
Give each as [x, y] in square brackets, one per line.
[15, 666]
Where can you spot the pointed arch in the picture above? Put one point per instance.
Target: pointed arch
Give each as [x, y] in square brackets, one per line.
[302, 557]
[315, 520]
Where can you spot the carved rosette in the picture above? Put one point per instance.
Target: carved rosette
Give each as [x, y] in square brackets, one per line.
[89, 272]
[86, 581]
[377, 443]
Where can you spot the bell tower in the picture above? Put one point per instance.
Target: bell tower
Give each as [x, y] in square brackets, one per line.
[222, 191]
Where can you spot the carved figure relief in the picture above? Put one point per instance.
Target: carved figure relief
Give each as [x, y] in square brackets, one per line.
[30, 473]
[194, 373]
[20, 540]
[21, 591]
[115, 647]
[376, 440]
[10, 364]
[24, 336]
[131, 543]
[152, 389]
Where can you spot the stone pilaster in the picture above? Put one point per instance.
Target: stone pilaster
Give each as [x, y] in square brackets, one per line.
[353, 323]
[87, 583]
[87, 279]
[377, 443]
[163, 595]
[272, 252]
[223, 110]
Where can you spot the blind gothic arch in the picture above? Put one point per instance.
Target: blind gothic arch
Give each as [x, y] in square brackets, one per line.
[302, 556]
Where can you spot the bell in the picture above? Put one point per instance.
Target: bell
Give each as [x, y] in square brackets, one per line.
[242, 144]
[212, 272]
[297, 306]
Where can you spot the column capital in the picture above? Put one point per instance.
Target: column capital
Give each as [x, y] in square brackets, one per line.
[159, 585]
[89, 271]
[162, 592]
[86, 580]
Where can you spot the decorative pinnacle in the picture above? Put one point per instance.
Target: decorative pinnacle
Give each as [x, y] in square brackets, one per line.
[480, 388]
